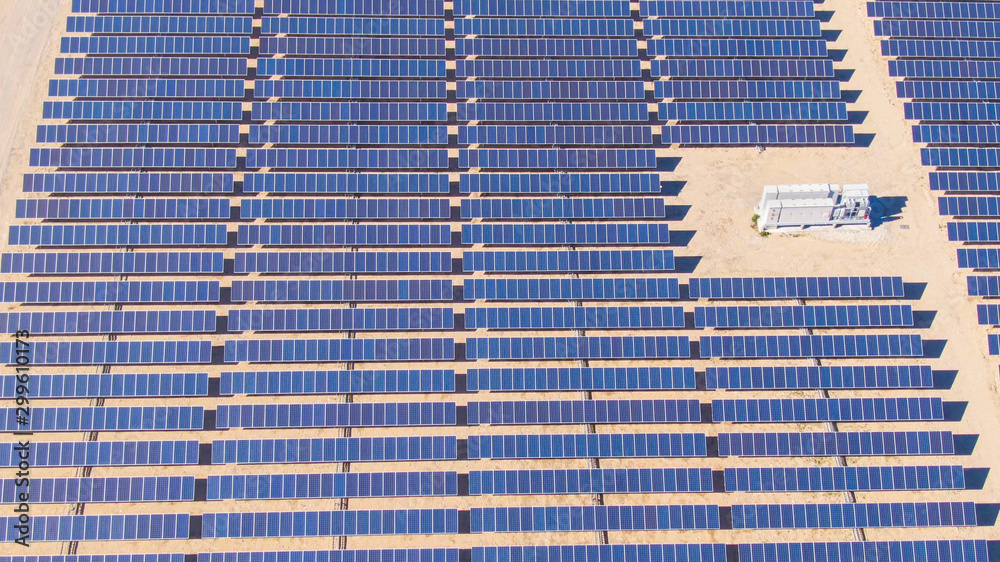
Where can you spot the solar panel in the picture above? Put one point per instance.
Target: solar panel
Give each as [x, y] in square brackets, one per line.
[312, 208]
[163, 6]
[885, 345]
[742, 68]
[932, 10]
[716, 27]
[566, 234]
[593, 518]
[336, 449]
[825, 377]
[939, 49]
[118, 235]
[152, 66]
[825, 516]
[944, 29]
[132, 158]
[795, 287]
[956, 134]
[753, 111]
[827, 409]
[581, 378]
[118, 385]
[954, 111]
[110, 322]
[965, 181]
[983, 285]
[160, 45]
[351, 89]
[606, 112]
[847, 316]
[333, 319]
[546, 412]
[568, 260]
[855, 443]
[146, 182]
[93, 263]
[353, 8]
[293, 182]
[101, 558]
[349, 134]
[993, 341]
[586, 445]
[352, 26]
[974, 231]
[320, 158]
[180, 133]
[336, 485]
[103, 453]
[341, 262]
[960, 157]
[757, 134]
[955, 550]
[571, 8]
[716, 8]
[113, 352]
[573, 318]
[543, 27]
[943, 69]
[380, 414]
[558, 90]
[161, 25]
[746, 89]
[560, 183]
[143, 110]
[590, 481]
[380, 555]
[102, 490]
[343, 235]
[159, 526]
[353, 46]
[845, 478]
[552, 208]
[351, 68]
[330, 523]
[947, 90]
[150, 418]
[662, 288]
[350, 350]
[978, 258]
[123, 208]
[336, 382]
[594, 135]
[770, 48]
[383, 290]
[546, 47]
[619, 347]
[53, 292]
[600, 553]
[348, 111]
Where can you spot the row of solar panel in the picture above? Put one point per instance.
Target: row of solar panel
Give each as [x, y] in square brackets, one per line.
[342, 350]
[352, 26]
[351, 67]
[890, 551]
[590, 481]
[950, 90]
[965, 181]
[569, 260]
[945, 29]
[327, 319]
[845, 478]
[824, 377]
[802, 444]
[163, 6]
[957, 49]
[591, 208]
[827, 410]
[557, 158]
[54, 263]
[937, 11]
[133, 158]
[336, 485]
[349, 134]
[838, 516]
[572, 289]
[796, 287]
[150, 88]
[380, 414]
[757, 134]
[98, 490]
[596, 347]
[911, 68]
[974, 231]
[80, 292]
[313, 208]
[583, 411]
[566, 234]
[152, 66]
[139, 134]
[554, 134]
[969, 206]
[802, 316]
[343, 235]
[161, 25]
[111, 353]
[342, 290]
[123, 208]
[752, 111]
[567, 318]
[329, 523]
[352, 46]
[593, 518]
[120, 385]
[118, 235]
[956, 134]
[108, 322]
[101, 527]
[979, 258]
[341, 262]
[960, 157]
[146, 182]
[335, 382]
[891, 345]
[150, 418]
[143, 110]
[941, 111]
[416, 159]
[158, 45]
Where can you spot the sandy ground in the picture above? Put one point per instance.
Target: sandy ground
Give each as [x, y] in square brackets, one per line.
[720, 189]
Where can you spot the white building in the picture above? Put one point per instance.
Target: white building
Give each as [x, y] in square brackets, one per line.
[813, 205]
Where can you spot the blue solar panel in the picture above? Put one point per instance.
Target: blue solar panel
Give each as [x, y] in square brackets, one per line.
[974, 231]
[545, 48]
[554, 412]
[662, 288]
[352, 68]
[845, 478]
[942, 90]
[103, 453]
[826, 377]
[594, 135]
[330, 523]
[800, 444]
[716, 8]
[939, 49]
[573, 68]
[132, 157]
[336, 382]
[559, 90]
[102, 490]
[110, 322]
[894, 551]
[381, 208]
[98, 558]
[92, 263]
[965, 181]
[570, 260]
[112, 352]
[983, 285]
[349, 134]
[159, 45]
[139, 134]
[600, 553]
[150, 418]
[619, 347]
[955, 111]
[943, 29]
[348, 111]
[573, 318]
[143, 110]
[943, 69]
[351, 89]
[337, 449]
[795, 287]
[770, 48]
[826, 409]
[544, 27]
[753, 111]
[345, 183]
[934, 10]
[339, 319]
[118, 385]
[115, 208]
[151, 66]
[164, 6]
[146, 182]
[731, 27]
[51, 292]
[552, 208]
[888, 345]
[960, 157]
[565, 8]
[341, 262]
[161, 25]
[803, 316]
[319, 158]
[979, 258]
[593, 518]
[342, 290]
[565, 234]
[993, 342]
[64, 528]
[343, 235]
[380, 414]
[354, 8]
[742, 68]
[560, 183]
[380, 555]
[347, 350]
[746, 89]
[757, 134]
[361, 26]
[352, 46]
[826, 516]
[549, 112]
[586, 445]
[956, 134]
[590, 481]
[337, 485]
[581, 378]
[118, 235]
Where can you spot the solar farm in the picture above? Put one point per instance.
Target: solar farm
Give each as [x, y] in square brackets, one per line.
[477, 281]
